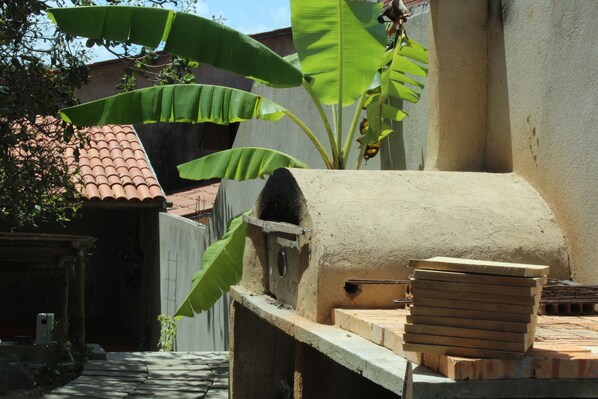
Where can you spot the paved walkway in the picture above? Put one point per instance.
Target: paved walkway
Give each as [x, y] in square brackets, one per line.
[179, 375]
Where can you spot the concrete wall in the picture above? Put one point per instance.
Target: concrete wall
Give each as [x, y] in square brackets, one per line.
[525, 70]
[181, 248]
[543, 76]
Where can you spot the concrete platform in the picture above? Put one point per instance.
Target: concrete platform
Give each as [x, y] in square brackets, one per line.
[156, 374]
[386, 369]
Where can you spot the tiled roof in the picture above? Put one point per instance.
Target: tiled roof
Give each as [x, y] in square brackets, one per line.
[115, 167]
[193, 202]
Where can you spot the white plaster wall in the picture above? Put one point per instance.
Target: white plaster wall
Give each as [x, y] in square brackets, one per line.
[543, 83]
[181, 248]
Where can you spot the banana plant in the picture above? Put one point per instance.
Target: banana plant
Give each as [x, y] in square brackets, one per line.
[348, 52]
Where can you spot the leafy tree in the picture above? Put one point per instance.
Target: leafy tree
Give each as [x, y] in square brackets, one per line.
[344, 56]
[40, 71]
[39, 74]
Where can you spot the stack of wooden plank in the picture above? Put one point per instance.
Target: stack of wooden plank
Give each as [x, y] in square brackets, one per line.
[473, 308]
[565, 347]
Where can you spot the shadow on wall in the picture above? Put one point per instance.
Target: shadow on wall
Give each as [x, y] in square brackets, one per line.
[393, 153]
[499, 152]
[219, 313]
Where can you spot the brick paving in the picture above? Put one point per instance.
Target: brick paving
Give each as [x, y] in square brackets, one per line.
[151, 374]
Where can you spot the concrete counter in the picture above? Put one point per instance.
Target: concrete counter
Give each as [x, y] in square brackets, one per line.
[270, 340]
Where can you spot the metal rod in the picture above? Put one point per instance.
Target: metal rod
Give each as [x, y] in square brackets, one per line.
[369, 281]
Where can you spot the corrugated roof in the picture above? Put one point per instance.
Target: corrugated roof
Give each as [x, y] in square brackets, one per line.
[115, 167]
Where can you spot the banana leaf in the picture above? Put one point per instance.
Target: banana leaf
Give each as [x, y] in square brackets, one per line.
[238, 164]
[221, 267]
[175, 103]
[407, 58]
[189, 36]
[339, 43]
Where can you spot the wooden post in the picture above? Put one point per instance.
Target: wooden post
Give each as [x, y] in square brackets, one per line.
[64, 309]
[298, 375]
[80, 298]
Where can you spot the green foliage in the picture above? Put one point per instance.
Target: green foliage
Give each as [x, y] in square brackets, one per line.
[35, 181]
[238, 164]
[341, 59]
[221, 267]
[40, 71]
[339, 44]
[167, 341]
[186, 35]
[175, 103]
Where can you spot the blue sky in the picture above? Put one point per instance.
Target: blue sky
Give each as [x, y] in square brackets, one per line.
[247, 16]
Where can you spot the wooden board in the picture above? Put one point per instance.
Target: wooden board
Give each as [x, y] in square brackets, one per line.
[562, 349]
[480, 267]
[367, 324]
[430, 339]
[469, 323]
[478, 288]
[436, 275]
[472, 314]
[473, 296]
[476, 306]
[467, 333]
[472, 352]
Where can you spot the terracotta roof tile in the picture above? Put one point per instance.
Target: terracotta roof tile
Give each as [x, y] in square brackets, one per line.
[101, 179]
[131, 192]
[105, 153]
[98, 170]
[139, 181]
[91, 191]
[126, 180]
[114, 181]
[147, 173]
[130, 162]
[105, 191]
[115, 167]
[84, 169]
[110, 170]
[156, 191]
[193, 202]
[119, 192]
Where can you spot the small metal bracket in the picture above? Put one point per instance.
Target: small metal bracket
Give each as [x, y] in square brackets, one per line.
[287, 231]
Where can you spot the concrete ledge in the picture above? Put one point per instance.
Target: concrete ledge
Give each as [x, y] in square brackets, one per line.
[372, 361]
[388, 370]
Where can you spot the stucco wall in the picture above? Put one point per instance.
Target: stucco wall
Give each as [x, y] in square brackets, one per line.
[181, 248]
[544, 81]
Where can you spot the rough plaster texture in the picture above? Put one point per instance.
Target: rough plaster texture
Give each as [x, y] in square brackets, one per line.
[457, 85]
[543, 88]
[181, 248]
[367, 225]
